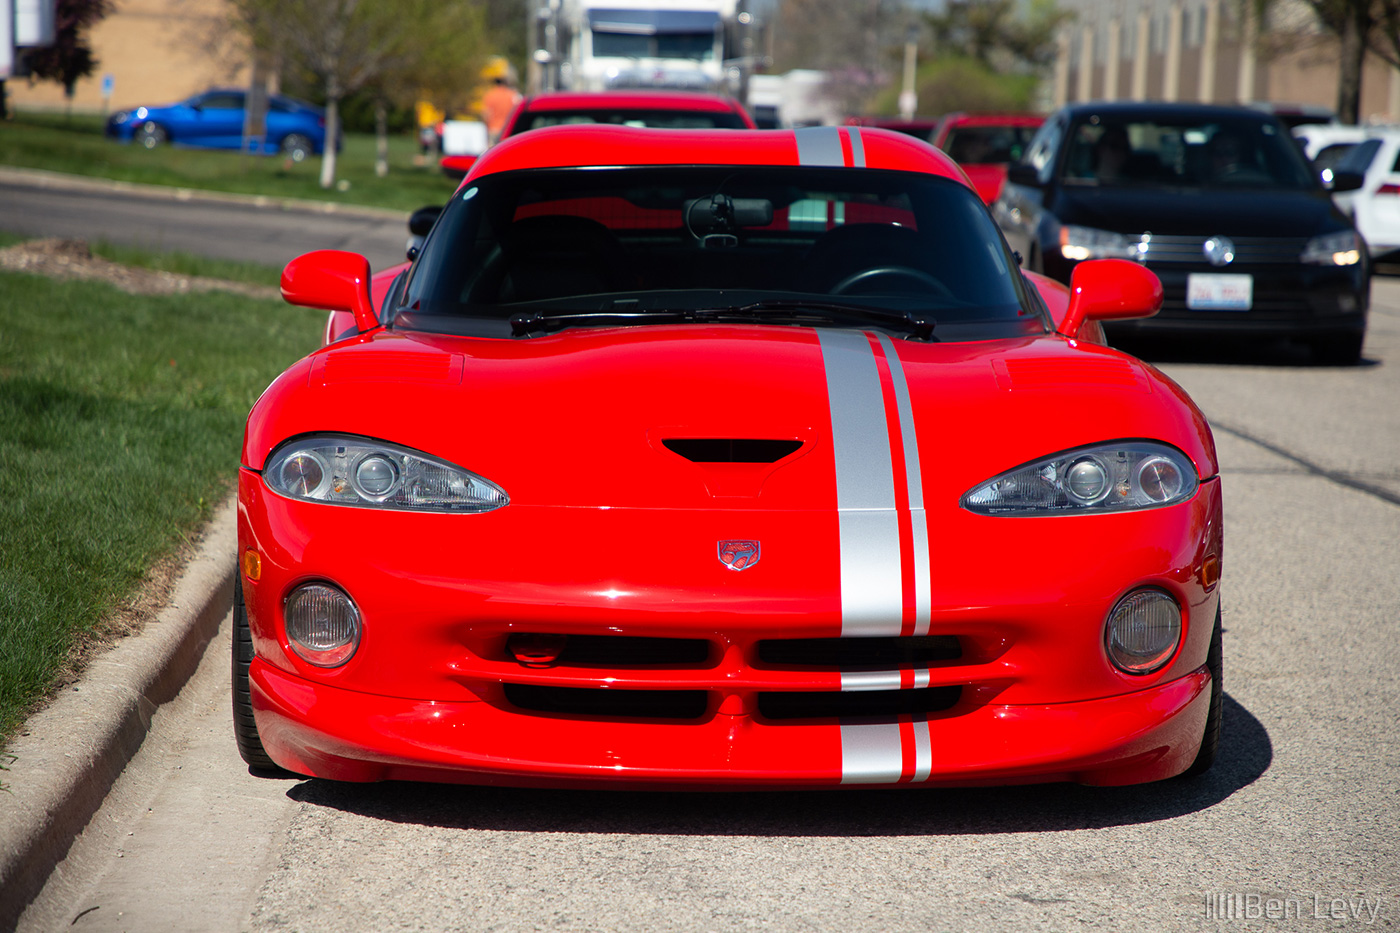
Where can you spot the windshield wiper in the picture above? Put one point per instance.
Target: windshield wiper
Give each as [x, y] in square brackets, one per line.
[803, 312]
[920, 326]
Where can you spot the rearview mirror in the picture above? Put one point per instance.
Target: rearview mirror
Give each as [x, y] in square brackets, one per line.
[722, 214]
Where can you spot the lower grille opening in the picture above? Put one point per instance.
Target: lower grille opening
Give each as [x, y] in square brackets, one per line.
[875, 703]
[847, 654]
[628, 704]
[633, 651]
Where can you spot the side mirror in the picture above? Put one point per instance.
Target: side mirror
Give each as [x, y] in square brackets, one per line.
[1110, 290]
[1023, 173]
[419, 223]
[1347, 181]
[334, 280]
[456, 166]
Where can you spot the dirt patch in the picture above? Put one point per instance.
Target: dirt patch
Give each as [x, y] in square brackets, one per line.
[72, 259]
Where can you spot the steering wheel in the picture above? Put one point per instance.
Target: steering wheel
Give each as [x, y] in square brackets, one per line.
[860, 282]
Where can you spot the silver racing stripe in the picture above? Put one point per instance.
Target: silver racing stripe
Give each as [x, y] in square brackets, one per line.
[857, 681]
[923, 751]
[923, 583]
[819, 145]
[857, 147]
[872, 597]
[871, 753]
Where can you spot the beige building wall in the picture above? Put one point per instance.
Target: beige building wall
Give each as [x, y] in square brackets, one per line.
[157, 52]
[1294, 69]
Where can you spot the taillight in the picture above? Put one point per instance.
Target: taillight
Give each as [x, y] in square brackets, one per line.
[1388, 189]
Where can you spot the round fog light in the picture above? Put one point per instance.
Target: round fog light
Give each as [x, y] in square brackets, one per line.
[1143, 631]
[322, 624]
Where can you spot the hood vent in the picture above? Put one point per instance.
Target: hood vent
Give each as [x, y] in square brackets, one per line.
[730, 449]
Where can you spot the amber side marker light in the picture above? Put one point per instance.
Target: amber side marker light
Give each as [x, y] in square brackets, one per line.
[252, 565]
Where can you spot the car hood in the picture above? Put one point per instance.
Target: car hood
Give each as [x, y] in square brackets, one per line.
[1178, 211]
[583, 418]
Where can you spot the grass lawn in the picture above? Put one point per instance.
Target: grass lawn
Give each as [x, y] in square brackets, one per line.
[120, 423]
[75, 145]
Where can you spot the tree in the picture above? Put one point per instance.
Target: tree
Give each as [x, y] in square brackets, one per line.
[1357, 25]
[70, 57]
[349, 45]
[1004, 35]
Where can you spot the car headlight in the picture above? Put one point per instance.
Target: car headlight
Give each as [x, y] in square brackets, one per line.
[1342, 248]
[1114, 477]
[358, 471]
[1078, 243]
[120, 117]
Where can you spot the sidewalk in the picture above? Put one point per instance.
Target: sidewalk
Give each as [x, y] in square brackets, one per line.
[40, 178]
[67, 756]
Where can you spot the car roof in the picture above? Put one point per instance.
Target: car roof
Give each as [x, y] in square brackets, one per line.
[993, 119]
[630, 100]
[1148, 109]
[595, 145]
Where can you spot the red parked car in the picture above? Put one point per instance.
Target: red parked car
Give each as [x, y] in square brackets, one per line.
[725, 460]
[670, 110]
[984, 144]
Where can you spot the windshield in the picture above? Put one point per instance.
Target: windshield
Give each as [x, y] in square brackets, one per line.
[650, 119]
[699, 47]
[988, 145]
[1237, 152]
[640, 242]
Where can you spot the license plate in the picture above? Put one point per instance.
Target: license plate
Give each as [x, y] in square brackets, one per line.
[1209, 291]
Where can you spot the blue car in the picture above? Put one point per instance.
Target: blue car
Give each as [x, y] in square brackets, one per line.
[214, 120]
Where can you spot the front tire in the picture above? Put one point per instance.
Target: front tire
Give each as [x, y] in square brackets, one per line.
[297, 147]
[149, 135]
[1210, 739]
[245, 729]
[1343, 350]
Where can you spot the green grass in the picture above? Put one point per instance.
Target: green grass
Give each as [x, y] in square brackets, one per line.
[77, 146]
[120, 423]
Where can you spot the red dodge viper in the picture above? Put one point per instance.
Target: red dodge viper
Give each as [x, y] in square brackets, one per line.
[720, 460]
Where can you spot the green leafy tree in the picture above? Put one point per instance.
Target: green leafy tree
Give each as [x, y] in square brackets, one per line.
[350, 45]
[70, 58]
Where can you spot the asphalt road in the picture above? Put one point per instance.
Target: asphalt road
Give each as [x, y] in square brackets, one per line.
[1299, 817]
[272, 234]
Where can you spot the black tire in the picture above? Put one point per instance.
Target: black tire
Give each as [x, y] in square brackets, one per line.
[1341, 350]
[297, 147]
[1210, 740]
[245, 729]
[149, 135]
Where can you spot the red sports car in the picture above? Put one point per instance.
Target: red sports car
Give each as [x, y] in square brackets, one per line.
[984, 144]
[725, 460]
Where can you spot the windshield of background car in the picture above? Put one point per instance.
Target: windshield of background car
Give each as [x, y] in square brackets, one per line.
[1239, 153]
[642, 240]
[651, 119]
[988, 145]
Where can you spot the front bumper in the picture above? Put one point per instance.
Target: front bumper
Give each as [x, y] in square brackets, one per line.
[347, 736]
[434, 693]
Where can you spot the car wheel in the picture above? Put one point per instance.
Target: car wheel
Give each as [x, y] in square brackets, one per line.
[1344, 350]
[296, 147]
[1210, 740]
[245, 730]
[150, 135]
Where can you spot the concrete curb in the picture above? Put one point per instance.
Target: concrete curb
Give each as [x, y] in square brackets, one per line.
[72, 751]
[45, 179]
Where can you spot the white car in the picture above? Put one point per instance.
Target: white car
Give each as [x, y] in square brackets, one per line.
[1326, 143]
[1375, 205]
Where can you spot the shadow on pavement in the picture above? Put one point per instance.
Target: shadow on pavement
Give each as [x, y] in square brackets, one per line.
[1245, 754]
